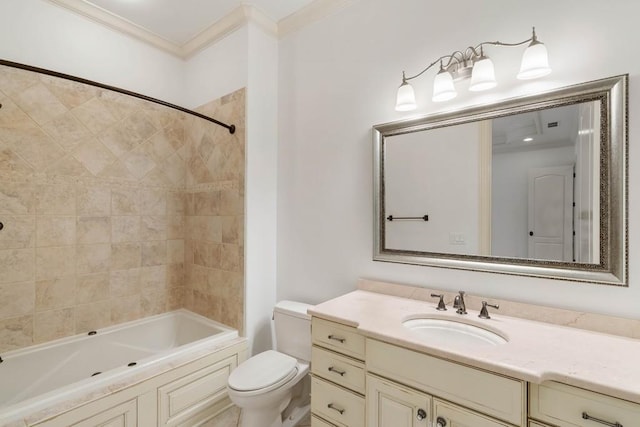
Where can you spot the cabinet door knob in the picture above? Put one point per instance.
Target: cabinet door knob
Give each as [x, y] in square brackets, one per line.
[421, 415]
[441, 422]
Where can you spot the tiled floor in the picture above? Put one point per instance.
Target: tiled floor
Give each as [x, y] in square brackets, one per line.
[231, 418]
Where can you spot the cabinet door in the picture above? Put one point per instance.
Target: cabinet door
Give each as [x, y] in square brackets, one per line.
[392, 405]
[448, 415]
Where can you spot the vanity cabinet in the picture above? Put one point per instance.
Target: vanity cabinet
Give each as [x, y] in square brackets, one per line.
[567, 406]
[338, 375]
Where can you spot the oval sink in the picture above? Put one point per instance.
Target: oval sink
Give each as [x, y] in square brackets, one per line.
[442, 331]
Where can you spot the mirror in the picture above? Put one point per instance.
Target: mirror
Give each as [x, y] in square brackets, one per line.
[530, 186]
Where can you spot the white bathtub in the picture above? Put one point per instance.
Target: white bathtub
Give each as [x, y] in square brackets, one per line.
[45, 375]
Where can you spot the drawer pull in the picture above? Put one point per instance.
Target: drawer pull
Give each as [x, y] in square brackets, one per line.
[441, 422]
[586, 416]
[335, 338]
[335, 408]
[337, 371]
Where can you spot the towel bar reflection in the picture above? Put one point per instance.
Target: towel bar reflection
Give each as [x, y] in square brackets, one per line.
[401, 218]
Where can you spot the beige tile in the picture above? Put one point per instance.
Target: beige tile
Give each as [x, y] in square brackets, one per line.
[94, 201]
[119, 139]
[11, 165]
[67, 166]
[230, 257]
[92, 287]
[56, 199]
[117, 171]
[93, 258]
[70, 93]
[38, 149]
[138, 163]
[154, 202]
[14, 81]
[95, 115]
[232, 227]
[231, 203]
[39, 103]
[197, 172]
[55, 293]
[125, 202]
[125, 309]
[154, 253]
[55, 231]
[207, 254]
[153, 228]
[175, 170]
[207, 228]
[14, 123]
[18, 232]
[90, 317]
[152, 303]
[153, 278]
[175, 251]
[125, 255]
[124, 283]
[175, 275]
[159, 146]
[206, 203]
[176, 201]
[17, 199]
[16, 299]
[175, 227]
[94, 156]
[16, 332]
[53, 324]
[93, 229]
[67, 131]
[16, 265]
[175, 300]
[54, 262]
[125, 229]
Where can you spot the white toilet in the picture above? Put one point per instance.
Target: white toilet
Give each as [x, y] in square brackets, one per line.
[272, 388]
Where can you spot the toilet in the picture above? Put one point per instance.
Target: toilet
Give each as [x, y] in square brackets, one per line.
[272, 388]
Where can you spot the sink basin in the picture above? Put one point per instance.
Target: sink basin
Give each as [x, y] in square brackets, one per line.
[446, 332]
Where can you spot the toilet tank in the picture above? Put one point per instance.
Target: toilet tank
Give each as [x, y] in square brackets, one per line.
[293, 329]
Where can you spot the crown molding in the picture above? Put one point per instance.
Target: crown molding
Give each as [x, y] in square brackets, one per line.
[309, 14]
[234, 20]
[118, 23]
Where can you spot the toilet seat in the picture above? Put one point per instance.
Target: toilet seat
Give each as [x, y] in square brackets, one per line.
[263, 372]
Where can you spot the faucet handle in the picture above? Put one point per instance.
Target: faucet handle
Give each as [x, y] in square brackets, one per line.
[441, 305]
[484, 313]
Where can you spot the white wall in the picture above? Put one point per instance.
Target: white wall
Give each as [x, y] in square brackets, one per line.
[261, 186]
[434, 174]
[510, 196]
[338, 77]
[41, 34]
[217, 70]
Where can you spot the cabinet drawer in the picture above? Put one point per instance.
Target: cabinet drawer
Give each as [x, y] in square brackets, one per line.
[535, 424]
[336, 404]
[457, 416]
[563, 405]
[337, 337]
[319, 422]
[495, 395]
[339, 369]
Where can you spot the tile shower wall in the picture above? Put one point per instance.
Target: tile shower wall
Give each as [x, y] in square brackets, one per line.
[93, 198]
[214, 238]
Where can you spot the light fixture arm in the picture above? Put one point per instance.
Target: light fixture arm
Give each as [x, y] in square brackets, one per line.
[469, 54]
[474, 64]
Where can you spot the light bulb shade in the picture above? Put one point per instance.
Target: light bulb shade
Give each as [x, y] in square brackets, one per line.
[483, 75]
[443, 88]
[535, 62]
[406, 98]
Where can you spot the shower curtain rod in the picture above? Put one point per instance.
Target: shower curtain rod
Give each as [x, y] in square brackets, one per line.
[231, 128]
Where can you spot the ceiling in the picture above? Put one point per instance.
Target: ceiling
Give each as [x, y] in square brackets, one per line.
[180, 21]
[183, 27]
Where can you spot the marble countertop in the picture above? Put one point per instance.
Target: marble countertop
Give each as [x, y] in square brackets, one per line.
[535, 351]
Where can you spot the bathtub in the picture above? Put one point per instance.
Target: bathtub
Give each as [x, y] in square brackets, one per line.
[43, 381]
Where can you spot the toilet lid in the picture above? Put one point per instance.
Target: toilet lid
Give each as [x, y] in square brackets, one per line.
[263, 370]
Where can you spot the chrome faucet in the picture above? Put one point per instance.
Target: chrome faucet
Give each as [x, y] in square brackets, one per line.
[458, 302]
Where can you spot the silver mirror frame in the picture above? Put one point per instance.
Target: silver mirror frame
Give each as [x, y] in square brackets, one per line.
[613, 268]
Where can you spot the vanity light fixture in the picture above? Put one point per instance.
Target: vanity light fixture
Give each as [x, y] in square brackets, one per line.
[473, 63]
